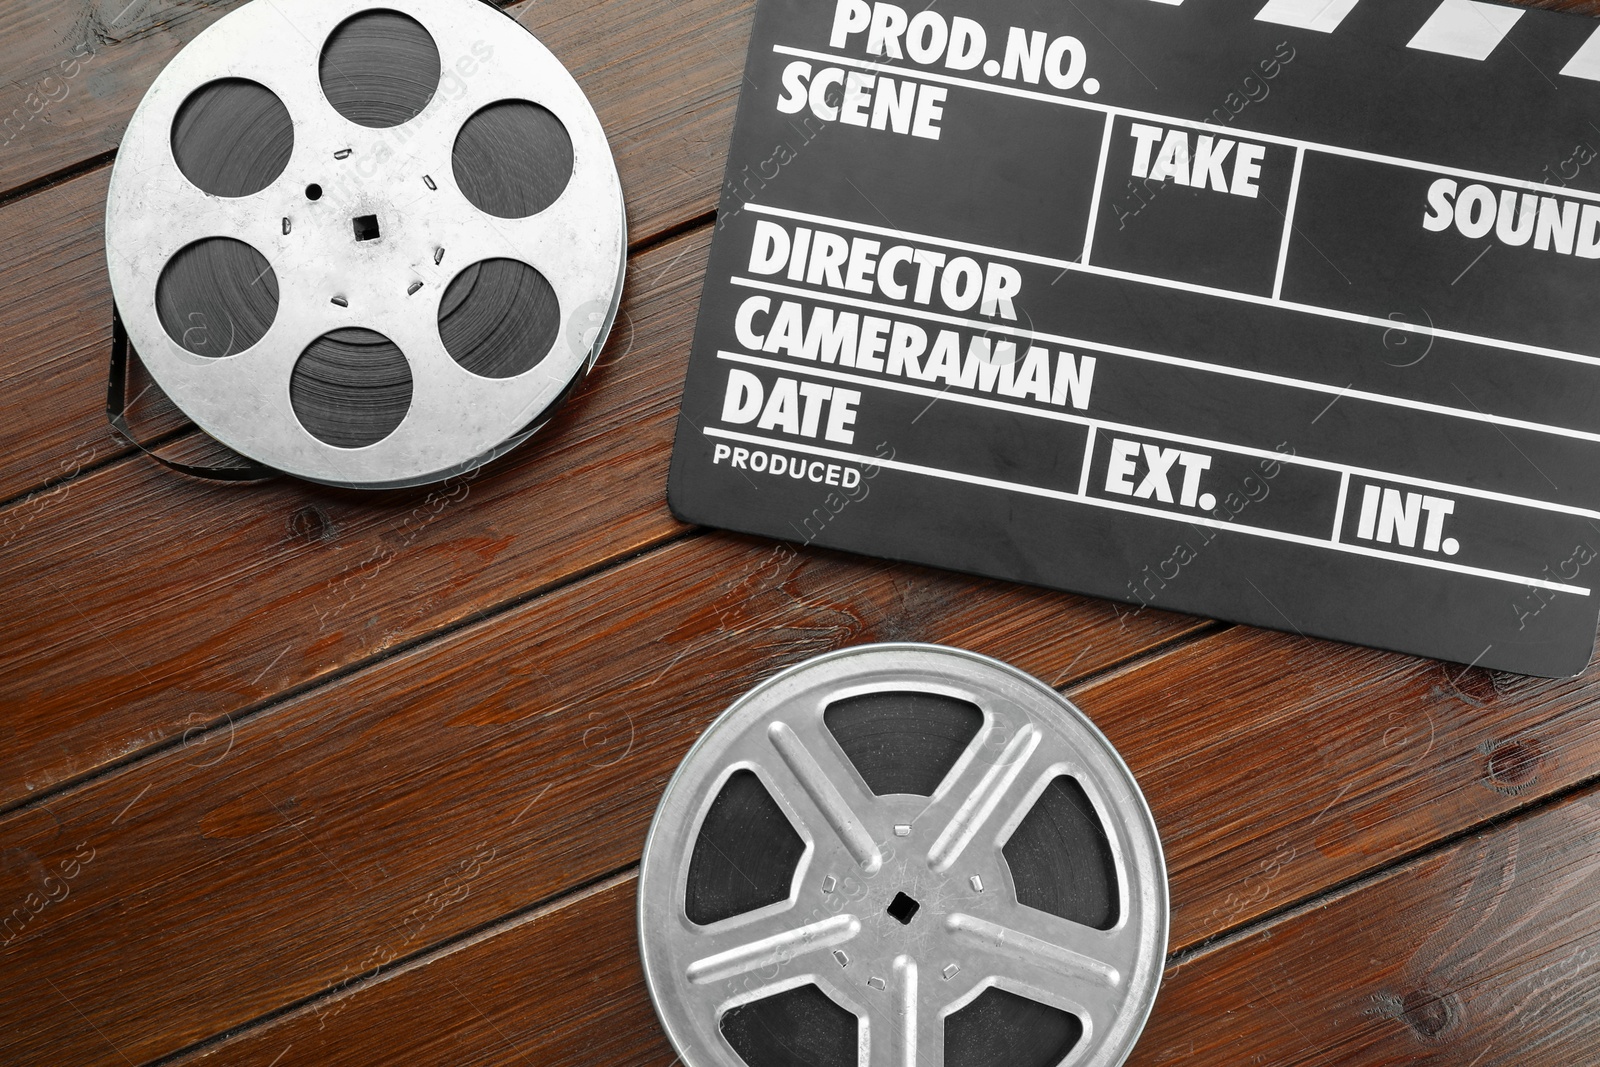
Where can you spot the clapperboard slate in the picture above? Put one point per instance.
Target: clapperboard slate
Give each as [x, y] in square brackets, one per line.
[1285, 314]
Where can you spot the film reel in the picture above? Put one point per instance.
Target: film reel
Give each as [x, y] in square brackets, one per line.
[367, 244]
[903, 855]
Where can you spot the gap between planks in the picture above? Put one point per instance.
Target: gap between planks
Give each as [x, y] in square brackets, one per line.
[1208, 946]
[482, 618]
[550, 905]
[189, 432]
[1362, 880]
[350, 987]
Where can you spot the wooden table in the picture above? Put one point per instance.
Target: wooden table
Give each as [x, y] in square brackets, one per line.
[297, 776]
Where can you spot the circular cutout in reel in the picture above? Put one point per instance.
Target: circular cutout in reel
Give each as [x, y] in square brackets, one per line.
[903, 855]
[309, 174]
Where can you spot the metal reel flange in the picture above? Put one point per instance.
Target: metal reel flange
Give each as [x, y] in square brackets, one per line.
[366, 228]
[842, 927]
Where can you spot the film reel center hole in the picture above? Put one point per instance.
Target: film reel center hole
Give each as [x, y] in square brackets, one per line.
[366, 227]
[889, 730]
[902, 909]
[313, 191]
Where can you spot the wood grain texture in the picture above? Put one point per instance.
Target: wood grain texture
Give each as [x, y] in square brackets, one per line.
[558, 988]
[160, 604]
[1486, 954]
[55, 345]
[663, 78]
[1277, 766]
[474, 695]
[55, 337]
[76, 69]
[1575, 7]
[532, 749]
[275, 858]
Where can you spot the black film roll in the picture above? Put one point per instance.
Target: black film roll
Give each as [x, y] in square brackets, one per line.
[499, 318]
[379, 68]
[513, 159]
[902, 742]
[745, 855]
[1061, 860]
[798, 1027]
[1001, 1029]
[351, 388]
[217, 297]
[232, 137]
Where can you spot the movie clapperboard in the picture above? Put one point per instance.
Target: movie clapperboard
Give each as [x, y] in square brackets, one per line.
[1284, 314]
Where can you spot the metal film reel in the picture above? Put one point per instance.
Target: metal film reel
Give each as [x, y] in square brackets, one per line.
[368, 244]
[903, 855]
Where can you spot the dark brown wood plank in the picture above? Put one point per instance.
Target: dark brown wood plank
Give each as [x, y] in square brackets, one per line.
[663, 77]
[55, 344]
[273, 859]
[560, 987]
[55, 336]
[1277, 766]
[158, 604]
[1502, 743]
[1575, 7]
[1480, 956]
[76, 69]
[545, 736]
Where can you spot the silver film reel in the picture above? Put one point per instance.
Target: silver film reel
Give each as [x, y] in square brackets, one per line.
[903, 855]
[368, 244]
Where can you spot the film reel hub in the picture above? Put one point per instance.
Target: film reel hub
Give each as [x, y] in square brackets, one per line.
[380, 160]
[902, 854]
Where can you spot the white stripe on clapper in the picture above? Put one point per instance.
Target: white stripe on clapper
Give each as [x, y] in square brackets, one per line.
[1465, 28]
[1322, 15]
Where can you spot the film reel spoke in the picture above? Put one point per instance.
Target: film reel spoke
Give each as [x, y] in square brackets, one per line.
[985, 785]
[813, 776]
[1011, 933]
[765, 944]
[905, 940]
[906, 1031]
[930, 1018]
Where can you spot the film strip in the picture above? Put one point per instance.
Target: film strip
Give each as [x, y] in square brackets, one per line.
[902, 854]
[366, 245]
[1275, 312]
